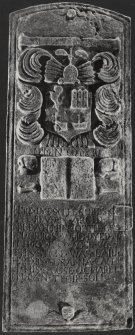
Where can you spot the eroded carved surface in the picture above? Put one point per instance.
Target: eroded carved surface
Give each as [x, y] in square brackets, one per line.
[69, 207]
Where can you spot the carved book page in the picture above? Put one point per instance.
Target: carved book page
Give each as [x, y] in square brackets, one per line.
[68, 223]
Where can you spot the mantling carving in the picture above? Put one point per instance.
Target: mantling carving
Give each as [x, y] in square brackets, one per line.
[31, 100]
[29, 132]
[109, 69]
[107, 108]
[71, 234]
[29, 67]
[28, 129]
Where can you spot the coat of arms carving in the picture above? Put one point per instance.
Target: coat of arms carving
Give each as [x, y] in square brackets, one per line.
[68, 236]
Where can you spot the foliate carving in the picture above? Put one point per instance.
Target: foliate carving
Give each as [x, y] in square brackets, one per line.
[30, 101]
[107, 102]
[109, 70]
[29, 66]
[107, 108]
[107, 135]
[68, 172]
[29, 132]
[69, 71]
[28, 129]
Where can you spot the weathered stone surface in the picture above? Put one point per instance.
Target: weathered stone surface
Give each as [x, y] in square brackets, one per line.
[67, 178]
[82, 180]
[68, 222]
[53, 178]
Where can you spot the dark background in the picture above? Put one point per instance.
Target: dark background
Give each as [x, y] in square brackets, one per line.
[125, 7]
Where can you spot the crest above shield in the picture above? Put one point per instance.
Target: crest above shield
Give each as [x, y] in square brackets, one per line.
[68, 227]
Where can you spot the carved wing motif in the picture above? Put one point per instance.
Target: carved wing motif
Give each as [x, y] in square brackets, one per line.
[53, 70]
[86, 73]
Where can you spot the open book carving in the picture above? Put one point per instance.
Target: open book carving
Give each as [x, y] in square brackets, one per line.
[68, 222]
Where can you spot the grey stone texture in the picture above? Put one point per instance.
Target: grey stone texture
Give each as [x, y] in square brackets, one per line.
[68, 221]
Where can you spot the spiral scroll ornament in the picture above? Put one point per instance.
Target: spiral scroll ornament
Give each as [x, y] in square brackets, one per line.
[29, 133]
[107, 109]
[29, 130]
[107, 101]
[29, 66]
[30, 101]
[107, 135]
[109, 68]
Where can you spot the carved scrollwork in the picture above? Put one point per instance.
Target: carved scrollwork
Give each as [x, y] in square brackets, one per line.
[29, 132]
[107, 135]
[109, 69]
[107, 101]
[76, 69]
[30, 101]
[29, 66]
[107, 108]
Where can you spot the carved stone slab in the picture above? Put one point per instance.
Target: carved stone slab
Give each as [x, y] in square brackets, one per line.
[68, 222]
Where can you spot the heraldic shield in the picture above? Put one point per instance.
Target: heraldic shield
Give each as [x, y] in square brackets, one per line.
[68, 227]
[67, 90]
[70, 113]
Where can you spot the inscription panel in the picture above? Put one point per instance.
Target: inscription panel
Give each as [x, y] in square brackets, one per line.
[68, 227]
[78, 247]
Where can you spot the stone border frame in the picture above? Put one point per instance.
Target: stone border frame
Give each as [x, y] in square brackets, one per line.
[13, 20]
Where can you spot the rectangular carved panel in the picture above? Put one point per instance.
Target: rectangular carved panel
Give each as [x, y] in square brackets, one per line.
[67, 178]
[53, 178]
[68, 222]
[82, 185]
